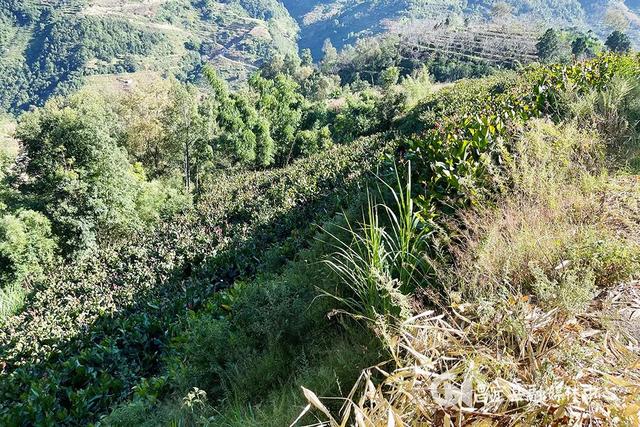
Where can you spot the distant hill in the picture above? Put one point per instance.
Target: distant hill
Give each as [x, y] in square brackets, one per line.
[344, 21]
[48, 45]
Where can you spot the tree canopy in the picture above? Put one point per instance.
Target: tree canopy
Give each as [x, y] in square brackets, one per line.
[618, 42]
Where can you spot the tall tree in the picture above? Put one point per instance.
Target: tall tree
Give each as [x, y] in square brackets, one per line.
[281, 103]
[306, 57]
[144, 128]
[330, 57]
[77, 174]
[188, 133]
[548, 46]
[579, 47]
[618, 42]
[236, 139]
[389, 77]
[265, 145]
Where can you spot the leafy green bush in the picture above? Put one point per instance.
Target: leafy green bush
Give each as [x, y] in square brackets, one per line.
[245, 353]
[26, 251]
[366, 113]
[160, 199]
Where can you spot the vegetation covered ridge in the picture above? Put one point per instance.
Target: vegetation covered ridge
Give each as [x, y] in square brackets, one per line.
[176, 274]
[467, 152]
[531, 318]
[53, 48]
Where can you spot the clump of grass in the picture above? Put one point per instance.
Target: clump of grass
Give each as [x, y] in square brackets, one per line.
[11, 300]
[191, 410]
[571, 291]
[382, 260]
[553, 162]
[615, 112]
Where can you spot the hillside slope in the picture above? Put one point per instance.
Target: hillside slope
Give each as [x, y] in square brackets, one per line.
[161, 261]
[48, 46]
[345, 21]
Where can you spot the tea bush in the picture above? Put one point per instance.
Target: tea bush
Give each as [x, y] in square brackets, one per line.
[95, 327]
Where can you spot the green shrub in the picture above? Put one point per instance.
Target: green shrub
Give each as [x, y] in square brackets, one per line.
[612, 259]
[364, 114]
[160, 199]
[26, 251]
[244, 353]
[572, 291]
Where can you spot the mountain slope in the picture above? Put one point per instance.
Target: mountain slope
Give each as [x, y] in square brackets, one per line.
[344, 21]
[51, 47]
[47, 46]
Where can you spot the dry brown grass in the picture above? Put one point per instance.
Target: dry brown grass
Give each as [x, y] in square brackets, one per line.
[521, 366]
[563, 214]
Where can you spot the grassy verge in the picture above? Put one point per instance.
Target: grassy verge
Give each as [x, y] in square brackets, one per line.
[531, 330]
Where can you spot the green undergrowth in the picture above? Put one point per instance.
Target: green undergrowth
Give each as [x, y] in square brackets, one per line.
[241, 359]
[92, 330]
[246, 355]
[328, 370]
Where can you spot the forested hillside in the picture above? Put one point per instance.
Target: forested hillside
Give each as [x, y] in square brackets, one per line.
[53, 47]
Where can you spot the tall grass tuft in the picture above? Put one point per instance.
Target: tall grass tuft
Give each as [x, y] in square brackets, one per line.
[381, 261]
[615, 112]
[11, 300]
